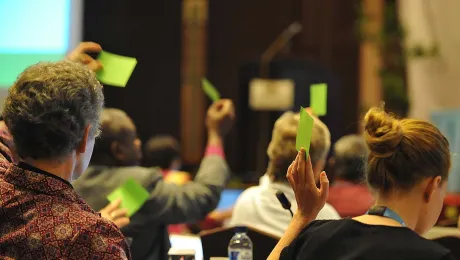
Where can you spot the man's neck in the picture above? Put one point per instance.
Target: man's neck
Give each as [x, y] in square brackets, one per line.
[62, 169]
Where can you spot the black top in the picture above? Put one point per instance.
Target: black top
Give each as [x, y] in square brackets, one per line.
[348, 239]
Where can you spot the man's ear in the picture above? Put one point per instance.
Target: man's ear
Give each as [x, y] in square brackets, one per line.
[81, 147]
[431, 185]
[117, 151]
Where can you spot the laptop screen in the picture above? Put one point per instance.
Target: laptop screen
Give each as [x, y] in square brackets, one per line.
[228, 198]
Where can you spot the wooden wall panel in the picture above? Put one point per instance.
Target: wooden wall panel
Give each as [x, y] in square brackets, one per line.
[153, 36]
[194, 22]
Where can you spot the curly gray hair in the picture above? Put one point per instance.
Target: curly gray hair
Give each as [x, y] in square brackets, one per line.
[50, 105]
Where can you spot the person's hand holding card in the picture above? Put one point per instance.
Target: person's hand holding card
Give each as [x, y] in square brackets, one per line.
[210, 90]
[80, 54]
[310, 199]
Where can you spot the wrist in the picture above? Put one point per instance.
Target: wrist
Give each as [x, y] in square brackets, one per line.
[213, 132]
[302, 219]
[214, 138]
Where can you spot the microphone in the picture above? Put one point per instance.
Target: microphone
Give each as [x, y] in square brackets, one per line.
[276, 46]
[284, 201]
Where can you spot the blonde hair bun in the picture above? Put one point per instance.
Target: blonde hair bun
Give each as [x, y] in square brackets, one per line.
[383, 133]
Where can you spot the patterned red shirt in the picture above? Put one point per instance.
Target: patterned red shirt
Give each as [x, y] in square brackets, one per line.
[41, 217]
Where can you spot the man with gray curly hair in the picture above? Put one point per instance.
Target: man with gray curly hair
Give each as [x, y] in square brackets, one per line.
[258, 206]
[52, 113]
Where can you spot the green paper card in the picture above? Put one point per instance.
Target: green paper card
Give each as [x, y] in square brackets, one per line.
[318, 98]
[210, 90]
[132, 196]
[117, 69]
[304, 131]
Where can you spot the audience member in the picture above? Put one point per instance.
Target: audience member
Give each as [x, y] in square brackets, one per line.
[258, 206]
[112, 211]
[51, 121]
[408, 167]
[164, 151]
[116, 154]
[349, 194]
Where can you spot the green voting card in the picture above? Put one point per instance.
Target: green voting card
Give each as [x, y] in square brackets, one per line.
[304, 131]
[210, 90]
[116, 69]
[318, 98]
[132, 196]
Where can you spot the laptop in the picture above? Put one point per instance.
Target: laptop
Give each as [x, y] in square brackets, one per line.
[228, 198]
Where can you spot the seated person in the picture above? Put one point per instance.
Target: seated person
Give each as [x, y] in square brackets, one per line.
[349, 195]
[407, 167]
[116, 156]
[164, 151]
[258, 206]
[51, 121]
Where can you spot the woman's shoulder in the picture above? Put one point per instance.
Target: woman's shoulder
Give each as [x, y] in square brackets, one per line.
[330, 234]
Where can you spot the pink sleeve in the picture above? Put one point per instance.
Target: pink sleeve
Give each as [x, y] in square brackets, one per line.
[214, 150]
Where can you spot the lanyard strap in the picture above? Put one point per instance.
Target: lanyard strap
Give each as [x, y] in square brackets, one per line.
[386, 212]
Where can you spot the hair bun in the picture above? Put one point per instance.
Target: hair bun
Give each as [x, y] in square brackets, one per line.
[383, 133]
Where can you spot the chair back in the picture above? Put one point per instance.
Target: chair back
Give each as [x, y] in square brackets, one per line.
[215, 242]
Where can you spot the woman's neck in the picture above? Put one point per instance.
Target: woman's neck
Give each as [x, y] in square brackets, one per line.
[405, 205]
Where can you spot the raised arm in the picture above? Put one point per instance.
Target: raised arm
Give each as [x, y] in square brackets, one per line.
[170, 203]
[310, 200]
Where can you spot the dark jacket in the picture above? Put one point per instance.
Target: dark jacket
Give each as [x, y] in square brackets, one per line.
[168, 203]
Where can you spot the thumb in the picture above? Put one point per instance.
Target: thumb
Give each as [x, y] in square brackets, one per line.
[324, 189]
[121, 222]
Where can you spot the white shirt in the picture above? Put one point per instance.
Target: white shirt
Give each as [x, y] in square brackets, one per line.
[258, 207]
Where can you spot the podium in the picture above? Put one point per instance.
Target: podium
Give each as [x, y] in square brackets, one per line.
[254, 136]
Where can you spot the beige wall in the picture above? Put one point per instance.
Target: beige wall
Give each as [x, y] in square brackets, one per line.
[434, 83]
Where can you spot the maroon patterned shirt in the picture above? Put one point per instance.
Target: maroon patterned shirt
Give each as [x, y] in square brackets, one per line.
[41, 217]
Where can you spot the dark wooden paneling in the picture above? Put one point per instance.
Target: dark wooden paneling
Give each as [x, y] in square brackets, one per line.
[151, 32]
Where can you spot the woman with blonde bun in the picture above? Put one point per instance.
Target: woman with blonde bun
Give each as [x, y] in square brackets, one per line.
[407, 168]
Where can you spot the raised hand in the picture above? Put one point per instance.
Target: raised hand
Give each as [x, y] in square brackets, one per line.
[113, 213]
[220, 116]
[310, 199]
[79, 54]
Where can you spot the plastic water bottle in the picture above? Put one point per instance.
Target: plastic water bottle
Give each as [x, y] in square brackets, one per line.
[240, 246]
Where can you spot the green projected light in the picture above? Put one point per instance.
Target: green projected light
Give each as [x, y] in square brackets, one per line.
[32, 31]
[13, 64]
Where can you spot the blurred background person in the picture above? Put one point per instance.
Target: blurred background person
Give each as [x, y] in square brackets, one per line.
[258, 206]
[164, 151]
[116, 156]
[349, 194]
